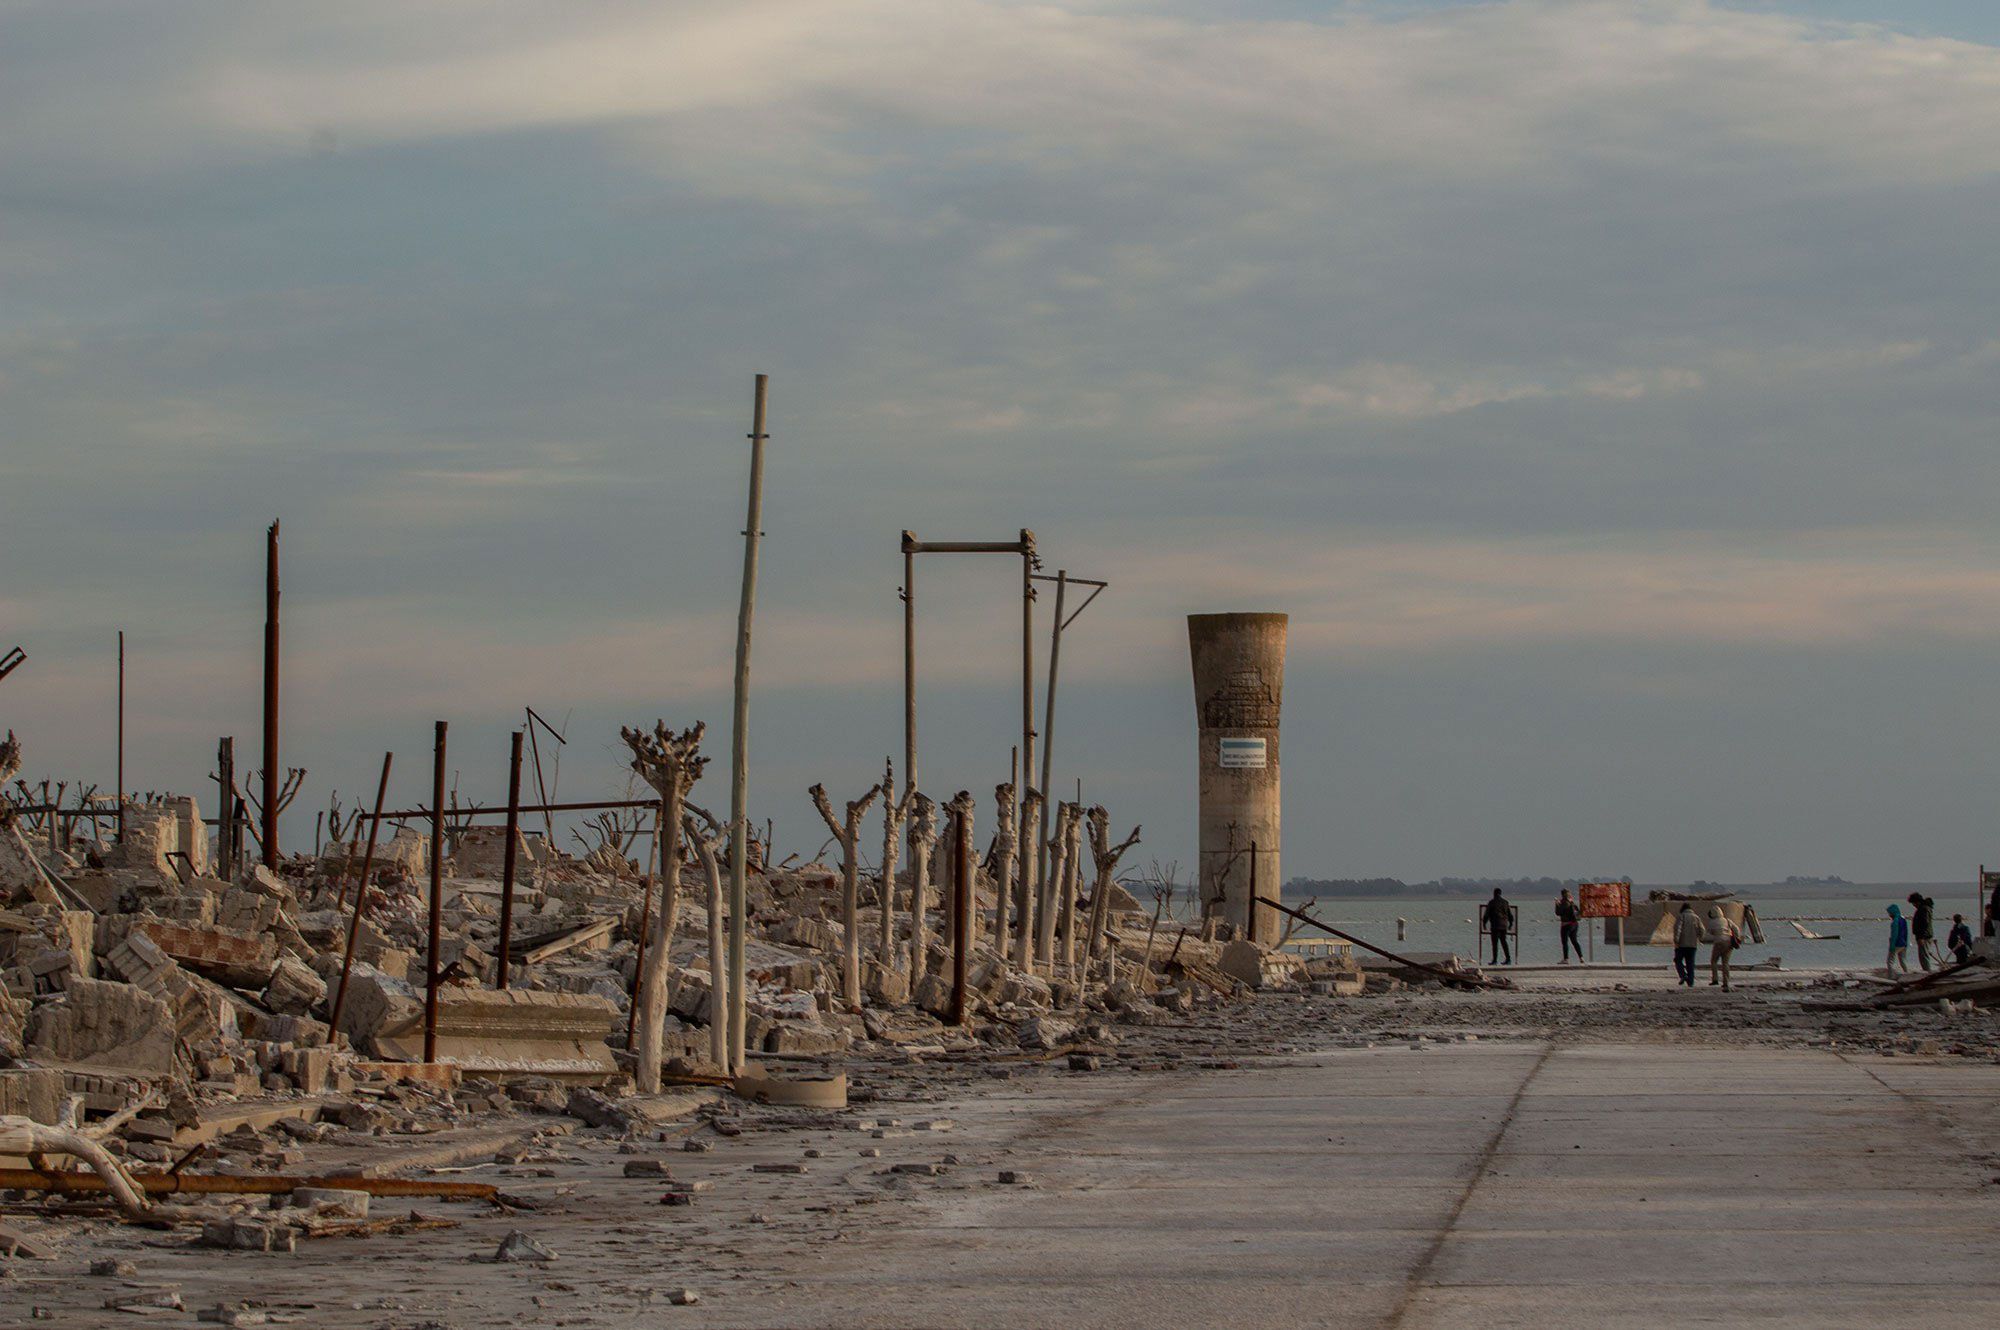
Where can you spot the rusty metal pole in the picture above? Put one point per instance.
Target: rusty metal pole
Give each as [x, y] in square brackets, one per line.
[273, 777]
[1250, 907]
[1028, 660]
[1049, 708]
[507, 855]
[121, 735]
[360, 897]
[909, 660]
[739, 742]
[437, 899]
[225, 832]
[961, 893]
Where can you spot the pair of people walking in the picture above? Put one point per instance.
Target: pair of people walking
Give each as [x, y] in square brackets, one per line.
[1690, 932]
[1922, 925]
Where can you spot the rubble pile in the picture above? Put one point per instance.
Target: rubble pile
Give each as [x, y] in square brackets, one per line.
[180, 1002]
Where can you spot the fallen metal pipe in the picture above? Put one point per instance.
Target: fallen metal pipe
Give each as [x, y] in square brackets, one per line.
[1449, 976]
[168, 1184]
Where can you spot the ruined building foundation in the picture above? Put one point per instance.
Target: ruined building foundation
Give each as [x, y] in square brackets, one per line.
[1239, 681]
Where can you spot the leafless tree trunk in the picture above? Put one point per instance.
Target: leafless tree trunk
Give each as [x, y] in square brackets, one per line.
[1072, 874]
[706, 841]
[1046, 888]
[1024, 881]
[893, 813]
[923, 839]
[1104, 857]
[1004, 850]
[848, 833]
[670, 763]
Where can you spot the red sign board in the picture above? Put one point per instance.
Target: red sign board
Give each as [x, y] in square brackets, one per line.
[1604, 900]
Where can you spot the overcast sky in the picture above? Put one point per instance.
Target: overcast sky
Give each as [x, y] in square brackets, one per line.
[1607, 391]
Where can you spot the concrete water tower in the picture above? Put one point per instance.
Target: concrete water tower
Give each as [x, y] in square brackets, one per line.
[1239, 682]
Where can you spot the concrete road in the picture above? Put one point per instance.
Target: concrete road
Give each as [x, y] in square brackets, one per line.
[1463, 1185]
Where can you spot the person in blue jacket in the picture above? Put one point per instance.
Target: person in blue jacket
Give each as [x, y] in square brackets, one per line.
[1899, 942]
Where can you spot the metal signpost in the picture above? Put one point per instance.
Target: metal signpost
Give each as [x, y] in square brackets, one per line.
[1606, 900]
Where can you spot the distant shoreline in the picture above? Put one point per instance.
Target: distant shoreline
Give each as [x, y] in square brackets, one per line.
[1453, 891]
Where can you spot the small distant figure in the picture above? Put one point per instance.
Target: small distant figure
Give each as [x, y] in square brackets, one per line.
[1899, 942]
[1991, 925]
[1498, 917]
[1568, 914]
[1923, 927]
[1959, 941]
[1687, 936]
[1722, 940]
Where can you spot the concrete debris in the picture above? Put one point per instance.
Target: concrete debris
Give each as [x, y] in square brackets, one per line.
[185, 998]
[518, 1246]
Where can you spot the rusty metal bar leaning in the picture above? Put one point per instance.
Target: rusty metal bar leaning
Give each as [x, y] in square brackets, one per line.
[507, 856]
[273, 777]
[360, 903]
[437, 898]
[962, 871]
[1449, 976]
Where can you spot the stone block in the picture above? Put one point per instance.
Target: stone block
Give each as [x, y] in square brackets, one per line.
[805, 1037]
[294, 989]
[35, 1093]
[516, 1032]
[104, 1024]
[341, 1202]
[242, 960]
[238, 1233]
[311, 1069]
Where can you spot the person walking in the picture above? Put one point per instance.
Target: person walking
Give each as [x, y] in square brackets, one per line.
[1959, 941]
[1498, 916]
[1899, 942]
[1687, 936]
[1722, 939]
[1567, 914]
[1923, 927]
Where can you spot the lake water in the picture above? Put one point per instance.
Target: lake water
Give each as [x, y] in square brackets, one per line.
[1856, 913]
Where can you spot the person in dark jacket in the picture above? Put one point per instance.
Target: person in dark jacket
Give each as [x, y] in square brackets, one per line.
[1688, 933]
[1567, 915]
[1498, 916]
[1959, 941]
[1923, 927]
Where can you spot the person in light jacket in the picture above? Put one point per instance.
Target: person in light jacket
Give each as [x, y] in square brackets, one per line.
[1721, 937]
[1899, 942]
[1687, 936]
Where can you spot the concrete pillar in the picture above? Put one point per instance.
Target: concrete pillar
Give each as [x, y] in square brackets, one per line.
[1239, 682]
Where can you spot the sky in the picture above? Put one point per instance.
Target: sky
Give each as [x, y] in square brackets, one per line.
[1606, 390]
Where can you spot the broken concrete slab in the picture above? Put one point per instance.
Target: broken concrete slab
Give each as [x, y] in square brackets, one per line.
[99, 1023]
[518, 1032]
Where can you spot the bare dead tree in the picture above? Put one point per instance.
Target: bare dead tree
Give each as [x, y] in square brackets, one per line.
[923, 839]
[1049, 887]
[706, 842]
[288, 791]
[670, 763]
[848, 833]
[1024, 881]
[893, 814]
[1003, 861]
[1072, 875]
[1104, 857]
